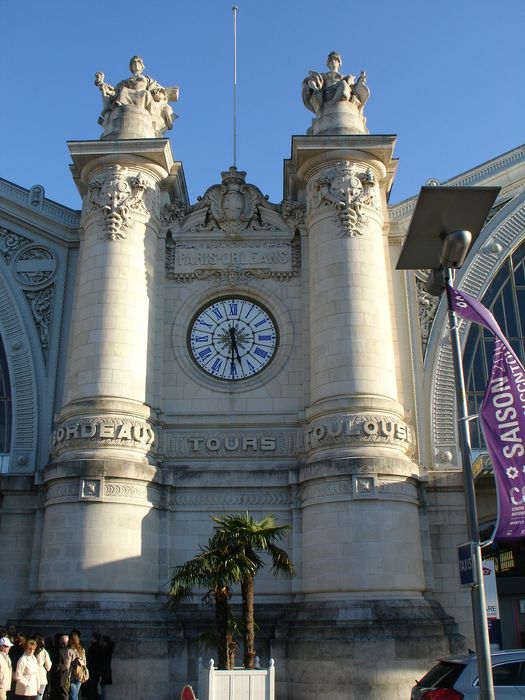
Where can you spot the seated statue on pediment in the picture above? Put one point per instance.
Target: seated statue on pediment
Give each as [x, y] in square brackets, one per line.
[137, 107]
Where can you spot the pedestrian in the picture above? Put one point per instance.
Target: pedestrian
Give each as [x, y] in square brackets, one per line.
[77, 665]
[65, 656]
[15, 653]
[108, 647]
[94, 655]
[26, 674]
[44, 665]
[6, 670]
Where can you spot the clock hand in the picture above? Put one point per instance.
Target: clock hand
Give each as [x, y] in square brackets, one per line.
[234, 344]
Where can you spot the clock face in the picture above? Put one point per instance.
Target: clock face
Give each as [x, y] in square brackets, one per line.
[233, 338]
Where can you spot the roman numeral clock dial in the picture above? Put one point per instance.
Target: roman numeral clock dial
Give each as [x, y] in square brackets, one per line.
[233, 338]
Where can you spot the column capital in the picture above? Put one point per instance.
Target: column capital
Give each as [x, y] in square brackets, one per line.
[152, 155]
[310, 152]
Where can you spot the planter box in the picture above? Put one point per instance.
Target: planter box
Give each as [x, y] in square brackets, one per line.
[238, 684]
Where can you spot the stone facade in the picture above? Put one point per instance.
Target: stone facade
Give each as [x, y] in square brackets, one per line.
[124, 438]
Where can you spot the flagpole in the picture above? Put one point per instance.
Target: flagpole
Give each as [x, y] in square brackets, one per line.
[479, 607]
[234, 10]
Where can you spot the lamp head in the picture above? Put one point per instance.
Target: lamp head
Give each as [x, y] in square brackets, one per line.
[455, 248]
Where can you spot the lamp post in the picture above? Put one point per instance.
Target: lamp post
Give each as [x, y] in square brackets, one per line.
[445, 222]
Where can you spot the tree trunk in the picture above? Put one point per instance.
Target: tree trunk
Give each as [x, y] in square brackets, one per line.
[221, 627]
[249, 624]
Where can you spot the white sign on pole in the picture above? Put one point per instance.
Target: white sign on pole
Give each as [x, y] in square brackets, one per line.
[491, 591]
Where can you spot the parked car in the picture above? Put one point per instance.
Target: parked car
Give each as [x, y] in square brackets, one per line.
[456, 677]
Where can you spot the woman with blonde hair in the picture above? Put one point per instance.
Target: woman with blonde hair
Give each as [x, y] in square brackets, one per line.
[26, 673]
[78, 660]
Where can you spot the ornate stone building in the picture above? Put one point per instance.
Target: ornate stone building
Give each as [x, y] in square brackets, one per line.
[161, 361]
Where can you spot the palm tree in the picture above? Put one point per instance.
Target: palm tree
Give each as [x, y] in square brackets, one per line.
[245, 539]
[217, 569]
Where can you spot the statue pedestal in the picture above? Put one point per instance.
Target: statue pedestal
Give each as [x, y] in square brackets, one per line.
[128, 122]
[338, 118]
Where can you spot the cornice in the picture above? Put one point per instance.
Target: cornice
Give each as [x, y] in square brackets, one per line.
[45, 208]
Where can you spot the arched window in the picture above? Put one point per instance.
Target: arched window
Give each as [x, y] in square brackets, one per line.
[505, 297]
[5, 410]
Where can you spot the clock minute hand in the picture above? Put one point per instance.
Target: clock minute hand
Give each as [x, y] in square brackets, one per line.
[234, 344]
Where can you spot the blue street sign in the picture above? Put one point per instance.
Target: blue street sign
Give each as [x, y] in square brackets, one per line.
[466, 565]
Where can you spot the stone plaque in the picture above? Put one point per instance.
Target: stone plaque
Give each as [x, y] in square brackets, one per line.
[190, 257]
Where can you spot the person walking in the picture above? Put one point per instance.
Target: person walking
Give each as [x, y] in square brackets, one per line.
[6, 670]
[44, 665]
[26, 674]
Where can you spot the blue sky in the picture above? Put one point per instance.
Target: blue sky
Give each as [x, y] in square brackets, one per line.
[446, 76]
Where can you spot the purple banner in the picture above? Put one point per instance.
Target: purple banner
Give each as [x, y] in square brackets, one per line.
[502, 418]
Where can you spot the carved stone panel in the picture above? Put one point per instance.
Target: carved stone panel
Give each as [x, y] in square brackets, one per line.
[232, 262]
[117, 194]
[10, 242]
[41, 305]
[347, 189]
[233, 207]
[102, 431]
[34, 266]
[231, 443]
[349, 429]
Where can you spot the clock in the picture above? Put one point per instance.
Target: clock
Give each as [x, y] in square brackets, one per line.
[233, 338]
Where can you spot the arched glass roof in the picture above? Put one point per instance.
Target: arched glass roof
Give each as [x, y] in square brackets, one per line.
[506, 299]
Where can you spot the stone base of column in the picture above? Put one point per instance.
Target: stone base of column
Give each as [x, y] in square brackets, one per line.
[150, 659]
[373, 649]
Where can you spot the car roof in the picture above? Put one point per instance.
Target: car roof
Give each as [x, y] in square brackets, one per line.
[503, 655]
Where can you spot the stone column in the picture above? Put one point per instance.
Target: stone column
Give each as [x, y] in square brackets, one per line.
[360, 504]
[100, 530]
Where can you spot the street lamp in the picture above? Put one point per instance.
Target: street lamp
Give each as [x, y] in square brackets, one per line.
[446, 221]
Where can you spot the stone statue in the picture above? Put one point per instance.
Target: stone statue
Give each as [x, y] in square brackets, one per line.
[337, 100]
[137, 107]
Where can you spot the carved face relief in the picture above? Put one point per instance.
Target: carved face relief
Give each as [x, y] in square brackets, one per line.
[348, 189]
[118, 194]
